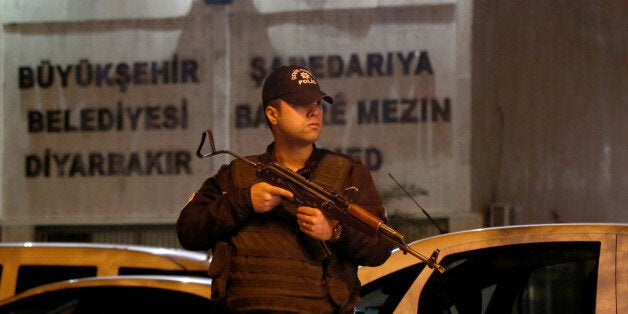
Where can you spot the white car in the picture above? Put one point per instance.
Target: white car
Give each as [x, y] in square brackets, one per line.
[115, 295]
[24, 265]
[557, 268]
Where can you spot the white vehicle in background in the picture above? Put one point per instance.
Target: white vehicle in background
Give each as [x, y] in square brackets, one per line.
[26, 265]
[558, 268]
[115, 295]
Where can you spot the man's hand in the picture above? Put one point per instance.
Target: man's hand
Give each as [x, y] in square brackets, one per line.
[265, 197]
[313, 223]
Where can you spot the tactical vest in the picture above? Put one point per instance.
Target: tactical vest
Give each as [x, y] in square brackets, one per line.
[272, 265]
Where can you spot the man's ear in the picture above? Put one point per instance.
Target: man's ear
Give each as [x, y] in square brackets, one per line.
[272, 114]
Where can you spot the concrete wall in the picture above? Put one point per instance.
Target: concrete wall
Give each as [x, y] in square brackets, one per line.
[104, 102]
[517, 104]
[550, 109]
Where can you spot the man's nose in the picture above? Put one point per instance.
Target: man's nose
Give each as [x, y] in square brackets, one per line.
[314, 110]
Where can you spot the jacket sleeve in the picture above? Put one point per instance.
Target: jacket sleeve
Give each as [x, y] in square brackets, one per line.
[213, 213]
[355, 245]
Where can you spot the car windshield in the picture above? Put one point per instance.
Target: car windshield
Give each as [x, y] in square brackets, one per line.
[528, 278]
[557, 277]
[383, 295]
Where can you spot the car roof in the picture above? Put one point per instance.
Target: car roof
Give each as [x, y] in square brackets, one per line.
[111, 246]
[80, 253]
[495, 235]
[193, 285]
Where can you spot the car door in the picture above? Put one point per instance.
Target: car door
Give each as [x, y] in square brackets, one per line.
[622, 273]
[543, 273]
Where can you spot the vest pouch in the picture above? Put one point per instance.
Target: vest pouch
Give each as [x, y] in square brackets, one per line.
[219, 270]
[344, 288]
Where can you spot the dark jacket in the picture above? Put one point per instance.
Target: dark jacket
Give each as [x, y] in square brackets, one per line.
[266, 263]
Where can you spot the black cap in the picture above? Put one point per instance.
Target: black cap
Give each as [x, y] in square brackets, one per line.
[294, 84]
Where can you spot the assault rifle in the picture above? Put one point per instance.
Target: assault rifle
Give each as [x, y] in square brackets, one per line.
[307, 193]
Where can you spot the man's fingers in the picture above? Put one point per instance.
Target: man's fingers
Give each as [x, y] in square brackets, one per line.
[280, 192]
[308, 211]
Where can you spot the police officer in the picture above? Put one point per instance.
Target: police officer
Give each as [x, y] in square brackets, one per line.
[268, 254]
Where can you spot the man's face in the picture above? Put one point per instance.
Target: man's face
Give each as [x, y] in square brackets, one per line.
[298, 124]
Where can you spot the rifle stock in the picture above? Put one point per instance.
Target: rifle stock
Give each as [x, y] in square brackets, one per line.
[310, 194]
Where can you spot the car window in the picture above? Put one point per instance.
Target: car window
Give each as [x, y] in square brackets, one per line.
[109, 300]
[30, 276]
[383, 295]
[155, 271]
[537, 278]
